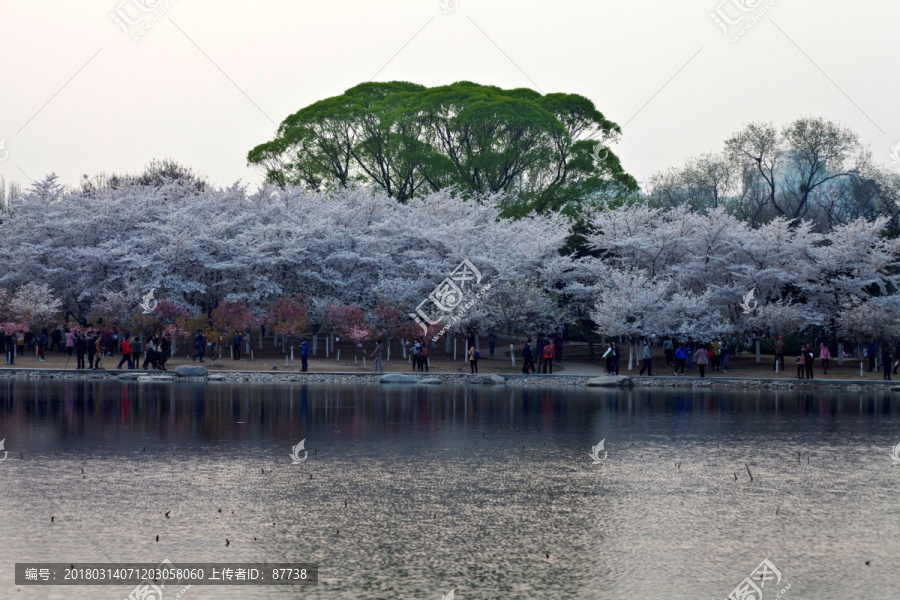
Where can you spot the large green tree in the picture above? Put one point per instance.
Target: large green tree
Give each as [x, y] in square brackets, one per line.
[408, 139]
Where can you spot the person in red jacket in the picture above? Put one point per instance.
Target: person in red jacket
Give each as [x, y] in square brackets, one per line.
[548, 358]
[126, 354]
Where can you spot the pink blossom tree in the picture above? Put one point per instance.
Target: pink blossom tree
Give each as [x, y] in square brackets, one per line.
[288, 317]
[350, 322]
[34, 305]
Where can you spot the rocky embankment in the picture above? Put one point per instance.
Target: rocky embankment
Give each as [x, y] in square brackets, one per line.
[201, 374]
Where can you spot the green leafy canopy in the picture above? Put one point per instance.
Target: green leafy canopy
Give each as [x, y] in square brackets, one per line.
[409, 140]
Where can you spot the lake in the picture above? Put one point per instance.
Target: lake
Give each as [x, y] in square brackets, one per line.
[413, 491]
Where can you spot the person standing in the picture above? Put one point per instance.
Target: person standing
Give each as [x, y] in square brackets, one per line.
[20, 344]
[702, 361]
[236, 350]
[56, 340]
[80, 350]
[558, 347]
[379, 348]
[669, 351]
[825, 357]
[810, 361]
[198, 344]
[304, 355]
[98, 350]
[646, 360]
[870, 352]
[423, 357]
[608, 355]
[715, 352]
[680, 358]
[528, 358]
[473, 359]
[886, 357]
[126, 354]
[164, 352]
[548, 358]
[689, 353]
[135, 353]
[801, 362]
[416, 355]
[492, 341]
[150, 354]
[70, 343]
[725, 351]
[540, 352]
[9, 347]
[91, 348]
[896, 358]
[779, 353]
[42, 343]
[615, 359]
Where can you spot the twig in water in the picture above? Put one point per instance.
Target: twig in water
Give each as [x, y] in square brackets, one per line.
[748, 471]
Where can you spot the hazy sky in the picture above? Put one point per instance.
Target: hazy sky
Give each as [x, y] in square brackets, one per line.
[211, 79]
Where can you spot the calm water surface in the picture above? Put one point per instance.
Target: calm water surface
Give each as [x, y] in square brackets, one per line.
[490, 492]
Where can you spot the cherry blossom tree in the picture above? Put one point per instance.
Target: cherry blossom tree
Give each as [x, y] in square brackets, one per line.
[34, 305]
[287, 317]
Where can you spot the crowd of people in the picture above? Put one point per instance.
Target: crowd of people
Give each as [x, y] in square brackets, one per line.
[89, 347]
[545, 351]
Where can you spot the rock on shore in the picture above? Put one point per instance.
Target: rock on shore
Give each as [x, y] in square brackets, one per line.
[616, 381]
[190, 371]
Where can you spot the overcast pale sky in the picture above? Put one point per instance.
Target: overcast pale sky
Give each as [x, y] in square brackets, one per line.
[211, 79]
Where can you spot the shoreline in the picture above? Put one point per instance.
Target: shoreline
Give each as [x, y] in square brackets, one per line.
[435, 378]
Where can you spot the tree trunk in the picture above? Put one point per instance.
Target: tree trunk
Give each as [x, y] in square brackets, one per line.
[512, 354]
[389, 348]
[758, 357]
[840, 353]
[315, 344]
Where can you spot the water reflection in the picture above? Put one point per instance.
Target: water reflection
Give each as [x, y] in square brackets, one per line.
[489, 490]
